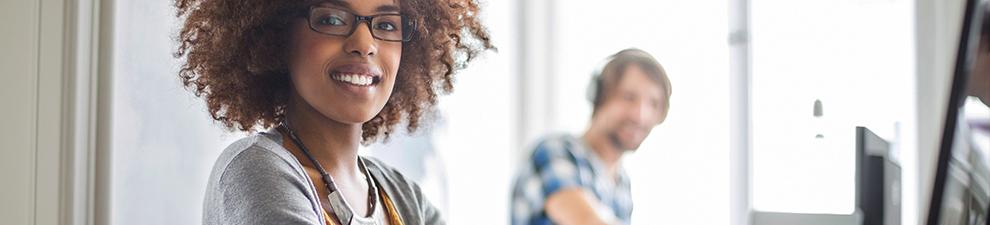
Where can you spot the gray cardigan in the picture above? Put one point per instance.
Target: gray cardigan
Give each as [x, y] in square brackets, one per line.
[257, 181]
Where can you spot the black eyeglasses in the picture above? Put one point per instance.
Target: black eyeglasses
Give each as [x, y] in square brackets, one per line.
[339, 22]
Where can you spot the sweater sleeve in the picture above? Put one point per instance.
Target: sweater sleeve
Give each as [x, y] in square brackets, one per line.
[259, 187]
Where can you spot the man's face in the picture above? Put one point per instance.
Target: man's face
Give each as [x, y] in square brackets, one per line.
[631, 110]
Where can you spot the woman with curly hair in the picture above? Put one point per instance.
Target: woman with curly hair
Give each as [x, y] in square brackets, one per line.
[320, 78]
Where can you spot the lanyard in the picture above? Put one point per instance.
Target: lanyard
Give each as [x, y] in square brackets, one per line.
[342, 210]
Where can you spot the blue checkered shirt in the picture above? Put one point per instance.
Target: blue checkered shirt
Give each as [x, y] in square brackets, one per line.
[563, 161]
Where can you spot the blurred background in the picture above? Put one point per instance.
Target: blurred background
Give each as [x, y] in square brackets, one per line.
[101, 131]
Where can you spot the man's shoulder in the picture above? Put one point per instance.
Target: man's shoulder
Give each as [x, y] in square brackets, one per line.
[559, 141]
[556, 146]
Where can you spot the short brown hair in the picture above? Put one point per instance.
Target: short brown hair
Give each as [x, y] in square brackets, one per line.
[609, 77]
[235, 55]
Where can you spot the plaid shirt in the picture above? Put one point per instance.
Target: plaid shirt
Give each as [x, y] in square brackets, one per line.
[560, 162]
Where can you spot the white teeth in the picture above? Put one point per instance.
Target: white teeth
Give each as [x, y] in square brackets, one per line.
[354, 79]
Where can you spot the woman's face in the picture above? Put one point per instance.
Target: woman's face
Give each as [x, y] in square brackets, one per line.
[346, 78]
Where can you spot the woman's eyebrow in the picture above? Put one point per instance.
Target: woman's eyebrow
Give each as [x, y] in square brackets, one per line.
[387, 8]
[339, 3]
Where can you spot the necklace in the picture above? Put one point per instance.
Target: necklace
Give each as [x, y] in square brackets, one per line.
[341, 209]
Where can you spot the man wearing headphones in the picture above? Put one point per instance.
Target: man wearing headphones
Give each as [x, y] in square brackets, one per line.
[572, 180]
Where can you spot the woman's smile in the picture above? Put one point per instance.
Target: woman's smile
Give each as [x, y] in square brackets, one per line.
[360, 80]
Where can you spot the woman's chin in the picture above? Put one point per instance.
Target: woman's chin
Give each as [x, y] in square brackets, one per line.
[352, 119]
[352, 113]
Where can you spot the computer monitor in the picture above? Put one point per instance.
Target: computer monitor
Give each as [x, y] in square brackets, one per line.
[959, 195]
[878, 180]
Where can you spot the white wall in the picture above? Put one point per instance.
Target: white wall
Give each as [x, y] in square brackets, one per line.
[163, 142]
[852, 56]
[476, 138]
[33, 102]
[19, 97]
[938, 23]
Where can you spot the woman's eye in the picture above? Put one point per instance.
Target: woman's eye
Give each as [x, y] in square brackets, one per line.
[331, 20]
[385, 26]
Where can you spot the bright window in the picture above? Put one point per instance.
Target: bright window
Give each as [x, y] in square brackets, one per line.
[856, 57]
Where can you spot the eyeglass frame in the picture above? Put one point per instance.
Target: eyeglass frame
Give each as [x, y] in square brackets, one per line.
[359, 18]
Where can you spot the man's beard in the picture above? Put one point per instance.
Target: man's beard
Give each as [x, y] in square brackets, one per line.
[616, 142]
[621, 146]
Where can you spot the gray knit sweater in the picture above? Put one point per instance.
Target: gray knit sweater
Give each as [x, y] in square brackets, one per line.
[257, 181]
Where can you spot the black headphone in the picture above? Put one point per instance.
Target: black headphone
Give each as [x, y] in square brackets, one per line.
[594, 88]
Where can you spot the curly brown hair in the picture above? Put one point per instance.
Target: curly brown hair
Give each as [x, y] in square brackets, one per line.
[235, 55]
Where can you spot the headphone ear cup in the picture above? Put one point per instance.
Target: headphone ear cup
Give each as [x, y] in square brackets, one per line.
[595, 86]
[593, 89]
